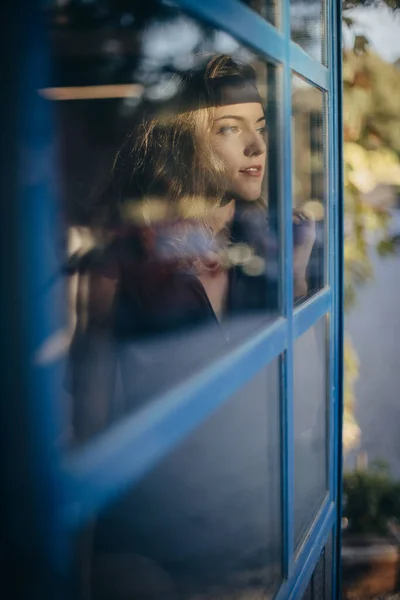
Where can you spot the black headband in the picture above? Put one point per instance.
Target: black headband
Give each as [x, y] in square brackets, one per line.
[198, 92]
[232, 90]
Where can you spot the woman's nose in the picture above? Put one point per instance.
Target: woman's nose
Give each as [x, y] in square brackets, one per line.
[255, 145]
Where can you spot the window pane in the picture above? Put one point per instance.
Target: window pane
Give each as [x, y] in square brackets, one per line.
[320, 584]
[269, 9]
[308, 26]
[309, 188]
[310, 426]
[169, 190]
[206, 522]
[308, 595]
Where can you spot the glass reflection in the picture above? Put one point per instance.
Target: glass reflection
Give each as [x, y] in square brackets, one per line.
[182, 242]
[168, 156]
[269, 9]
[310, 426]
[206, 522]
[308, 26]
[162, 148]
[309, 188]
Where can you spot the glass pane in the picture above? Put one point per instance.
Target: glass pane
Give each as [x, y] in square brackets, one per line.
[320, 584]
[269, 9]
[309, 188]
[318, 578]
[308, 595]
[206, 522]
[165, 172]
[307, 19]
[310, 425]
[328, 555]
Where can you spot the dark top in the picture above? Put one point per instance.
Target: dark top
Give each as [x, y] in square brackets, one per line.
[165, 326]
[211, 508]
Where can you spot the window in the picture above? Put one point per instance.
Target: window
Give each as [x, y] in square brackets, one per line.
[310, 426]
[173, 313]
[170, 194]
[206, 521]
[269, 9]
[308, 26]
[309, 183]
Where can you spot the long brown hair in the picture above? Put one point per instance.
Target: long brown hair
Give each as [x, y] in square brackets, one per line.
[166, 170]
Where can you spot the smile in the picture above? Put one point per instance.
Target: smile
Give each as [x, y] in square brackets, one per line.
[254, 171]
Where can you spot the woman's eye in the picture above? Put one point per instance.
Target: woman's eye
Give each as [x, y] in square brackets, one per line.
[227, 129]
[261, 130]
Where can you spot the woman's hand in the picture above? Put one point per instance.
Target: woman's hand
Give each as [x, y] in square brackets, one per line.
[303, 242]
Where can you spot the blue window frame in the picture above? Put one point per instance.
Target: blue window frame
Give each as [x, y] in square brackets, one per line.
[50, 494]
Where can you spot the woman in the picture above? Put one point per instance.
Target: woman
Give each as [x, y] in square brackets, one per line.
[192, 267]
[193, 248]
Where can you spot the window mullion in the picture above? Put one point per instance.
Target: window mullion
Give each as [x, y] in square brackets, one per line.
[287, 264]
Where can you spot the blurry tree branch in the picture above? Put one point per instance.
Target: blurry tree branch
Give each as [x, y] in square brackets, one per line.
[347, 4]
[371, 119]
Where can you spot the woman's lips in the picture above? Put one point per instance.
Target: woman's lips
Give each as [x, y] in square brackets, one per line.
[253, 171]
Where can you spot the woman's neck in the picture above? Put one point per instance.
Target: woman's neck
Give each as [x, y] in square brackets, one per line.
[215, 280]
[222, 216]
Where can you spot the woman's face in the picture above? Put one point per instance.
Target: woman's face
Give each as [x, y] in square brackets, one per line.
[238, 138]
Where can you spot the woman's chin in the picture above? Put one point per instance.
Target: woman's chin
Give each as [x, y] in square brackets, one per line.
[248, 195]
[245, 193]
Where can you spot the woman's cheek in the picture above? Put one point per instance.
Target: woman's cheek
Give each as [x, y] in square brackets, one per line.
[229, 157]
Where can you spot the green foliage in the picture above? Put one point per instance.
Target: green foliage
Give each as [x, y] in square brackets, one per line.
[371, 92]
[371, 95]
[387, 247]
[371, 498]
[351, 432]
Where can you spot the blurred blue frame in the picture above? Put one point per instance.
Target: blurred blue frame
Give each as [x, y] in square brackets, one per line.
[69, 490]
